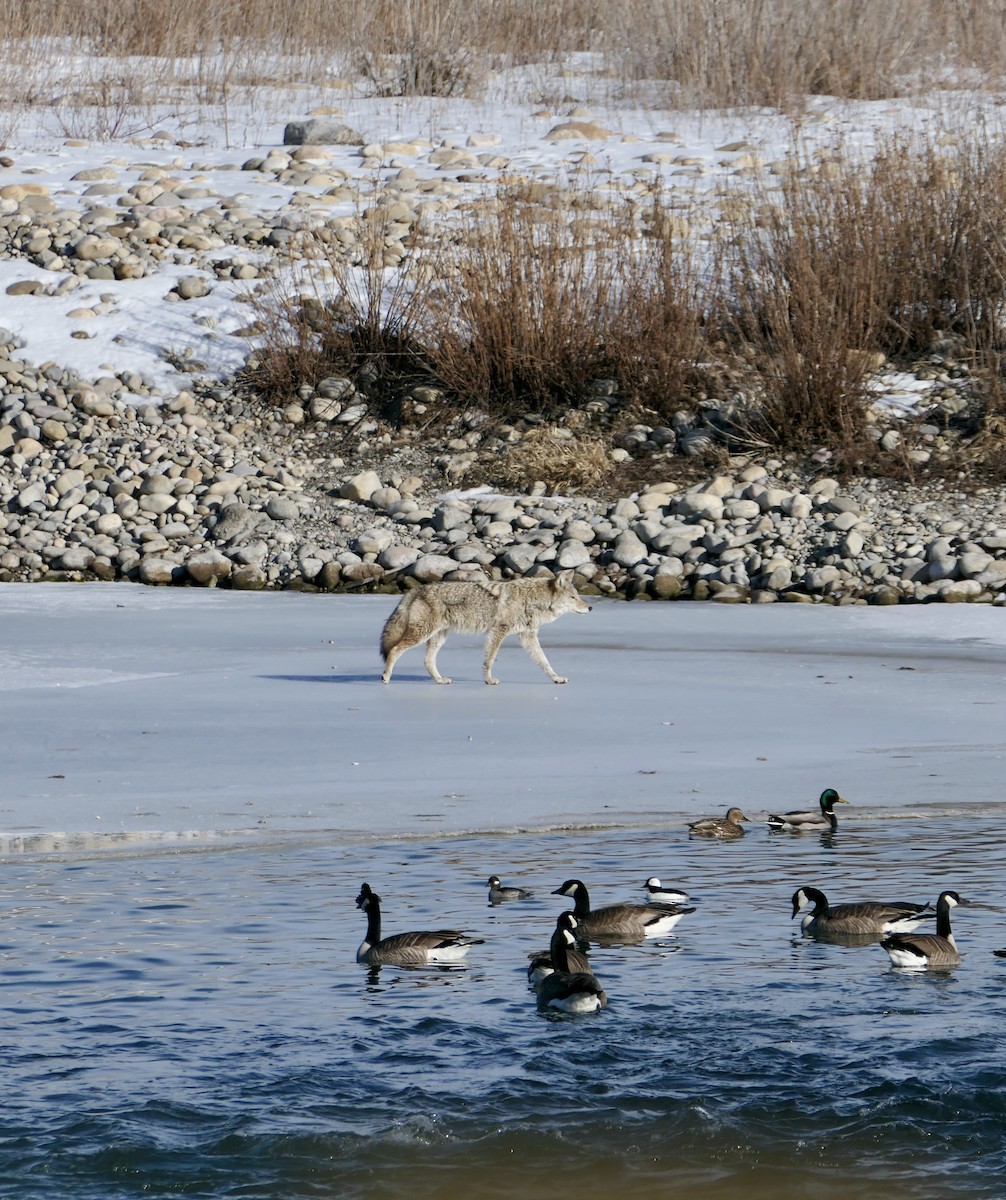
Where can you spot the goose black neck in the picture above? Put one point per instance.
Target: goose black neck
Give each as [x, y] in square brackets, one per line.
[373, 921]
[943, 919]
[559, 950]
[581, 903]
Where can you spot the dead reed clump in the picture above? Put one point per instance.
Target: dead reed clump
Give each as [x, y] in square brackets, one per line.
[527, 303]
[549, 290]
[567, 464]
[359, 310]
[803, 276]
[542, 291]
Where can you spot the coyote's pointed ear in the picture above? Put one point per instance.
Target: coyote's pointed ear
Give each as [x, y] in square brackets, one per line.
[562, 580]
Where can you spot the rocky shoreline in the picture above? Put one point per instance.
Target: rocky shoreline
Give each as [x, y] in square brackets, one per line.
[208, 489]
[119, 477]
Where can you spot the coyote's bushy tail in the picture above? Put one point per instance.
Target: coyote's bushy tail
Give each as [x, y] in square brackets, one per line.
[396, 626]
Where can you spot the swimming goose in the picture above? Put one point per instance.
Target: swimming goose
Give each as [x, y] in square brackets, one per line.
[565, 989]
[498, 894]
[863, 918]
[542, 964]
[721, 827]
[921, 950]
[407, 949]
[656, 893]
[815, 821]
[619, 920]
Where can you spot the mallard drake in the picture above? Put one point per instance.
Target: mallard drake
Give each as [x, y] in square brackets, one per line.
[657, 893]
[719, 827]
[866, 917]
[815, 821]
[498, 894]
[565, 989]
[407, 949]
[619, 920]
[920, 951]
[542, 965]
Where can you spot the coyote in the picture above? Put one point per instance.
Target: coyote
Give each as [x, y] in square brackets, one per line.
[493, 607]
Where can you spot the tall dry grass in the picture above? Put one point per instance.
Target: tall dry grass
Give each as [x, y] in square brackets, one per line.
[540, 294]
[897, 258]
[544, 290]
[689, 52]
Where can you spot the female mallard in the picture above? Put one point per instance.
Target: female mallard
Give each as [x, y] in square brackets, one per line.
[498, 894]
[619, 920]
[407, 949]
[719, 827]
[542, 964]
[567, 989]
[863, 918]
[919, 951]
[816, 822]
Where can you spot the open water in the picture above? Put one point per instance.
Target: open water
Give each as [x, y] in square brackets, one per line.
[194, 1023]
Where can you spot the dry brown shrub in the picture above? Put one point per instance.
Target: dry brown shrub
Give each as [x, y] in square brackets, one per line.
[902, 255]
[358, 310]
[804, 273]
[565, 465]
[527, 303]
[944, 243]
[547, 290]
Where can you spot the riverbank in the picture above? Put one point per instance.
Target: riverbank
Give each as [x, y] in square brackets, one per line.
[204, 489]
[139, 275]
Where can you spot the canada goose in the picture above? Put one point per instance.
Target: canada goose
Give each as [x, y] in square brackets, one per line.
[721, 827]
[498, 894]
[656, 893]
[857, 919]
[407, 949]
[568, 990]
[921, 950]
[619, 920]
[542, 965]
[815, 821]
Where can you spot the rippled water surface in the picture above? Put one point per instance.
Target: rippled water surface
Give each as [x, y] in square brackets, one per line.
[194, 1023]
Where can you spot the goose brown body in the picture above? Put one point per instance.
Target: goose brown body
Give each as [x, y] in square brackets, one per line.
[928, 951]
[414, 949]
[567, 989]
[866, 918]
[543, 964]
[619, 920]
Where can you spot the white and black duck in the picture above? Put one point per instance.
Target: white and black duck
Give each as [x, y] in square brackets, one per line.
[928, 951]
[659, 893]
[407, 949]
[619, 920]
[865, 918]
[820, 820]
[498, 894]
[729, 826]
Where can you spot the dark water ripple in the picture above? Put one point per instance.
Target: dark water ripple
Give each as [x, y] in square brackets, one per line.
[194, 1024]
